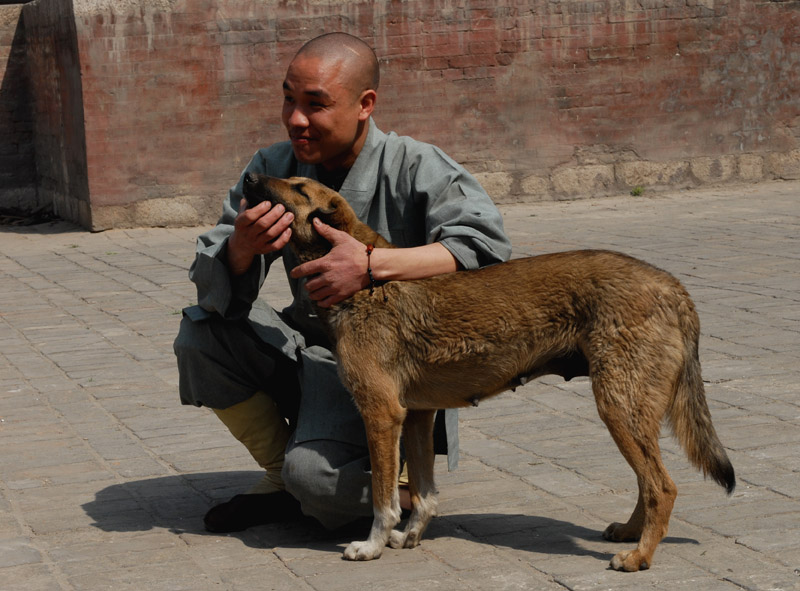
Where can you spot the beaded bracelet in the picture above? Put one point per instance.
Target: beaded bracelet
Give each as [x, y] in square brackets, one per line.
[370, 248]
[372, 282]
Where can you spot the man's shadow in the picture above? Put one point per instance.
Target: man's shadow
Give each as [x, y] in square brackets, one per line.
[176, 503]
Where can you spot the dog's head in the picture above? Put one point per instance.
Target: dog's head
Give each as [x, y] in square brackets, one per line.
[306, 199]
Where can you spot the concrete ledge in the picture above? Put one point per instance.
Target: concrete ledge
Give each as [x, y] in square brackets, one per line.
[578, 180]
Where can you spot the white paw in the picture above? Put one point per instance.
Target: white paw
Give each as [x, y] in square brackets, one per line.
[409, 538]
[362, 551]
[413, 538]
[397, 538]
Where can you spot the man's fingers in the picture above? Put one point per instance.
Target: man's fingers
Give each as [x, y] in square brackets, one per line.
[264, 228]
[254, 213]
[274, 225]
[328, 302]
[266, 217]
[315, 283]
[305, 269]
[282, 240]
[329, 233]
[325, 297]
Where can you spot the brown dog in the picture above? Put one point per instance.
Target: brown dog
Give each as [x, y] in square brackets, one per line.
[630, 327]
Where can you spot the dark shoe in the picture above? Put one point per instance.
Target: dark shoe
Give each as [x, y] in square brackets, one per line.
[244, 511]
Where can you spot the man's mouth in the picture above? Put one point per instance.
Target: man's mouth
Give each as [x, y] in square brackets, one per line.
[300, 139]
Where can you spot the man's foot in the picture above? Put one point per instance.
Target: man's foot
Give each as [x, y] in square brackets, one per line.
[244, 511]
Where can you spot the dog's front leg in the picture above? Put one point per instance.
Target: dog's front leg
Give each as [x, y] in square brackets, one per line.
[418, 442]
[383, 419]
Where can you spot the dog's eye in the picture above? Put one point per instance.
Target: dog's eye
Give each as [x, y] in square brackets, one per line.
[301, 190]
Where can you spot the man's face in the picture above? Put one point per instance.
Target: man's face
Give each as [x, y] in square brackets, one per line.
[322, 113]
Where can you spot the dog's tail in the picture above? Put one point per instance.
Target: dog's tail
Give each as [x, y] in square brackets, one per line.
[688, 414]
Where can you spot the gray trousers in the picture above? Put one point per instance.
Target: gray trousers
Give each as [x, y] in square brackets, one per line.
[224, 362]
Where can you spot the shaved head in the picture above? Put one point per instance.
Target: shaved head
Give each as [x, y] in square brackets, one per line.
[357, 59]
[329, 95]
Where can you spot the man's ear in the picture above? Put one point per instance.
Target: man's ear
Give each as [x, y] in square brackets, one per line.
[367, 102]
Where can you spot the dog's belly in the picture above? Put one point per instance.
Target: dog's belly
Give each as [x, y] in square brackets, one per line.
[468, 382]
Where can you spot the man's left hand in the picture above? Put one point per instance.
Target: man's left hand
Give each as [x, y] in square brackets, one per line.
[340, 273]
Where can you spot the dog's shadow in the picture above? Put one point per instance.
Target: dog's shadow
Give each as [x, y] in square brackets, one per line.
[537, 534]
[175, 503]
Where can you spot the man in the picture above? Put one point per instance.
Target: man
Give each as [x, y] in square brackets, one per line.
[270, 376]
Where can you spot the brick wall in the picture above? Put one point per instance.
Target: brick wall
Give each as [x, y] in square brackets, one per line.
[17, 170]
[541, 99]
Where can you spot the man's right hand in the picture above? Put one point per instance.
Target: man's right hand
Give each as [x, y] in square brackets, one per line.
[259, 230]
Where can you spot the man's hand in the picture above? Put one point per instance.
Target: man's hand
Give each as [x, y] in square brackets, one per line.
[340, 273]
[260, 230]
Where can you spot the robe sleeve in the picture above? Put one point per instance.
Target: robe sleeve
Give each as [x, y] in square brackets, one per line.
[459, 213]
[217, 289]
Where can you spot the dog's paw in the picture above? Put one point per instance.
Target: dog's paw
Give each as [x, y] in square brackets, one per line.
[397, 538]
[363, 551]
[631, 561]
[404, 539]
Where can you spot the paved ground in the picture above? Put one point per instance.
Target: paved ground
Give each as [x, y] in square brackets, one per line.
[104, 477]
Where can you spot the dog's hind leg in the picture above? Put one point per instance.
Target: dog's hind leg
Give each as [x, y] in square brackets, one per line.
[383, 419]
[633, 415]
[418, 442]
[630, 531]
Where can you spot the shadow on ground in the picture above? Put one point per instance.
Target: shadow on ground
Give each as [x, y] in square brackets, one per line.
[178, 503]
[37, 223]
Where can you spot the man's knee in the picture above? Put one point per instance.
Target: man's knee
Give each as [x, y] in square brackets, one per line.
[330, 479]
[199, 350]
[214, 365]
[189, 344]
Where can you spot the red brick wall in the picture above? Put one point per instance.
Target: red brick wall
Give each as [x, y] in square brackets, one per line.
[541, 99]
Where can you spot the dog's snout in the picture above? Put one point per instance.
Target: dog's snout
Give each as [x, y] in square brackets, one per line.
[254, 191]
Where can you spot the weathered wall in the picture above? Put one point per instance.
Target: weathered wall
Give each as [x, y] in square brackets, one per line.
[55, 82]
[17, 170]
[541, 99]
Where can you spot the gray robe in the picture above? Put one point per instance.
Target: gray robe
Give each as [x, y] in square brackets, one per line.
[409, 192]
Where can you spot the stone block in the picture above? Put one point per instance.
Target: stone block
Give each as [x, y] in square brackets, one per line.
[751, 167]
[714, 170]
[497, 184]
[784, 166]
[535, 186]
[583, 180]
[648, 174]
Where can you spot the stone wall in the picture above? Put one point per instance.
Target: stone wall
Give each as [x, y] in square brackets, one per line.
[541, 99]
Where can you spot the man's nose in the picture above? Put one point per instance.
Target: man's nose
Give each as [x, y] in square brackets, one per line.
[297, 118]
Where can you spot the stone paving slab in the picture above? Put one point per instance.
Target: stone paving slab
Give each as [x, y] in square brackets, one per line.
[104, 477]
